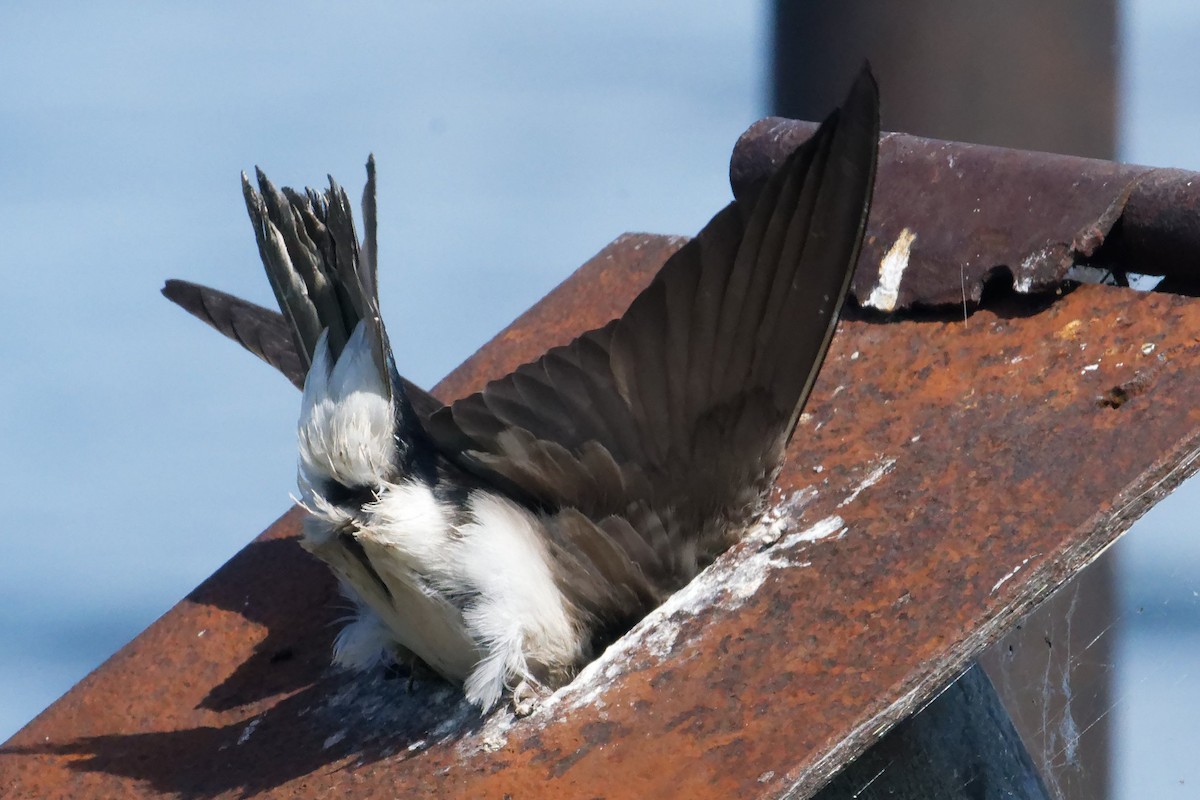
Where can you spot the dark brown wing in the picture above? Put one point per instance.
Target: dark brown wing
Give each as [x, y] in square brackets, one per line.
[680, 409]
[261, 331]
[265, 333]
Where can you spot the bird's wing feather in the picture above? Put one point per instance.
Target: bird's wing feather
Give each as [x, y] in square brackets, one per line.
[265, 333]
[261, 331]
[683, 405]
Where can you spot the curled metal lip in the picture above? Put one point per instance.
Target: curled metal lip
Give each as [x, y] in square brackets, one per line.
[946, 476]
[973, 212]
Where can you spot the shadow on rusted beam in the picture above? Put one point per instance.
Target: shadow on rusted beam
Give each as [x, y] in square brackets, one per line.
[947, 476]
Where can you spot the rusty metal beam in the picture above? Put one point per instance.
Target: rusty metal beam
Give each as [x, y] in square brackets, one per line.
[949, 473]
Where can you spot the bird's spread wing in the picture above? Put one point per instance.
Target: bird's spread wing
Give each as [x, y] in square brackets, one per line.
[678, 411]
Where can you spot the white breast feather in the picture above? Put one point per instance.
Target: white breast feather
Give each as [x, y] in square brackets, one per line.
[409, 519]
[513, 613]
[364, 641]
[520, 614]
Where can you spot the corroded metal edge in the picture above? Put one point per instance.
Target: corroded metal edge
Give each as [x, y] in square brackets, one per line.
[949, 217]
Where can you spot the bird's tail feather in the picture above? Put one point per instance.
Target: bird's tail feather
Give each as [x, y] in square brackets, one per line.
[315, 264]
[324, 280]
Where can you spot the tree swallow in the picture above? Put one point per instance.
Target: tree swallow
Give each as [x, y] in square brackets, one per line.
[506, 538]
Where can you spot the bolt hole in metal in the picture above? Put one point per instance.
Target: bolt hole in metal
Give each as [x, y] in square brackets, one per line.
[1114, 398]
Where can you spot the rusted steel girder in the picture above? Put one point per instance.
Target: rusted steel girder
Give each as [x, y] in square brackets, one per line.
[949, 473]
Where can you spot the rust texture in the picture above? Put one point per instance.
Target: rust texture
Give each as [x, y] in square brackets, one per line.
[948, 474]
[971, 213]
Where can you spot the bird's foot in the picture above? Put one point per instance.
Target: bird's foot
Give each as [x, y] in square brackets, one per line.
[404, 664]
[769, 531]
[525, 699]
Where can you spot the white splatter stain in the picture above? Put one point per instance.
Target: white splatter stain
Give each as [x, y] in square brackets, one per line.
[492, 744]
[891, 270]
[492, 736]
[1023, 280]
[248, 731]
[822, 530]
[1010, 574]
[774, 521]
[727, 584]
[872, 478]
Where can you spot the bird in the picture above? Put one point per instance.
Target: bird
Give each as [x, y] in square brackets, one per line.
[505, 539]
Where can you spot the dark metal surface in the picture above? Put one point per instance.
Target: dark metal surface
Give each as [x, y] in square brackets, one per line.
[947, 475]
[973, 213]
[962, 746]
[1160, 226]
